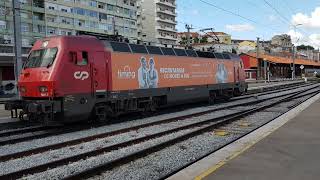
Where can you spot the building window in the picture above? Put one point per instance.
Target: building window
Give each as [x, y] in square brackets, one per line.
[110, 7]
[3, 25]
[51, 31]
[79, 11]
[25, 42]
[110, 27]
[23, 1]
[39, 29]
[24, 27]
[93, 3]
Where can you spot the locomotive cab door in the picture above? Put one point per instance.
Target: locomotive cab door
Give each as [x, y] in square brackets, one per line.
[77, 82]
[99, 75]
[236, 72]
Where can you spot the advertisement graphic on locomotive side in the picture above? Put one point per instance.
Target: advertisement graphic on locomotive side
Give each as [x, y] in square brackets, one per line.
[137, 71]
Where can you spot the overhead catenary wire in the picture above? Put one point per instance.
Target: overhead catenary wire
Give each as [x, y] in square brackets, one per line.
[238, 15]
[283, 18]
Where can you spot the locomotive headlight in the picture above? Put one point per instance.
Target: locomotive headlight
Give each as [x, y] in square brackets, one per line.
[22, 89]
[43, 89]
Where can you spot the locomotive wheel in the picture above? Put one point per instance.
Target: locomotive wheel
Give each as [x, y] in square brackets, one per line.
[212, 98]
[101, 112]
[21, 116]
[149, 108]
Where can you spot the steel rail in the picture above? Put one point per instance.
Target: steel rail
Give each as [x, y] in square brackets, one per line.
[213, 122]
[142, 153]
[120, 131]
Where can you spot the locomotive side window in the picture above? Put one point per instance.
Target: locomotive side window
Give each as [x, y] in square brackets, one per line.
[83, 60]
[191, 53]
[180, 52]
[154, 50]
[120, 47]
[218, 55]
[138, 49]
[205, 54]
[226, 56]
[168, 51]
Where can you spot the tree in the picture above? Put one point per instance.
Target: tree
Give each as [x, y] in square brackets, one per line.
[305, 47]
[204, 40]
[196, 40]
[183, 41]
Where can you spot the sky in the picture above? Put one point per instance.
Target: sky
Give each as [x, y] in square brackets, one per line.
[249, 19]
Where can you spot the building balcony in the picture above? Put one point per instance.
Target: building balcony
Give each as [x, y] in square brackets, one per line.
[166, 20]
[166, 37]
[163, 28]
[162, 2]
[167, 12]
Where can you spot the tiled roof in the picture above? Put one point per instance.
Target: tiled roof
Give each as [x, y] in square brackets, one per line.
[284, 60]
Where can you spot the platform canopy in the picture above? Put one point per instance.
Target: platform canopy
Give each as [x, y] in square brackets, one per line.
[284, 60]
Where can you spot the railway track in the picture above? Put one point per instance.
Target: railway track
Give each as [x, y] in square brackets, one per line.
[112, 133]
[209, 126]
[36, 132]
[189, 130]
[16, 125]
[249, 95]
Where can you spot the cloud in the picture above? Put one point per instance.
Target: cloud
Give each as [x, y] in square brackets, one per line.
[315, 40]
[240, 27]
[195, 12]
[309, 21]
[272, 18]
[295, 36]
[298, 39]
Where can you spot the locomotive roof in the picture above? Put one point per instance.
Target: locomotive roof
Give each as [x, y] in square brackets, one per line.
[156, 50]
[152, 50]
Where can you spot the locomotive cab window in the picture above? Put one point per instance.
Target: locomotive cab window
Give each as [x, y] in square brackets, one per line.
[41, 58]
[82, 59]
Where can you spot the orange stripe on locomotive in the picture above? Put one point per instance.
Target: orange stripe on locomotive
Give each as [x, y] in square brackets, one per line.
[139, 71]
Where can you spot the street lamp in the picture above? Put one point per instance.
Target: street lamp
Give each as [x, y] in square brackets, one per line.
[293, 52]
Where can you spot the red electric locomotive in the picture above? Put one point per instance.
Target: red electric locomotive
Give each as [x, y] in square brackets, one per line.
[73, 78]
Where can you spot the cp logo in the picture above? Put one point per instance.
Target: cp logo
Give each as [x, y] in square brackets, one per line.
[82, 75]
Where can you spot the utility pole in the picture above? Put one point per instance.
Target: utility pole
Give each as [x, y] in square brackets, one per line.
[114, 25]
[188, 27]
[17, 39]
[258, 61]
[294, 52]
[293, 62]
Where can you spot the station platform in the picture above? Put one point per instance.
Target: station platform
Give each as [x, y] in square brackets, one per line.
[287, 148]
[262, 86]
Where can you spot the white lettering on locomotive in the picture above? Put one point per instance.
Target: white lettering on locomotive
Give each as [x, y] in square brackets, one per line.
[82, 75]
[126, 73]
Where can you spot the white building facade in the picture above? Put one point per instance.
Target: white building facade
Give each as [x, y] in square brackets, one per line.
[157, 21]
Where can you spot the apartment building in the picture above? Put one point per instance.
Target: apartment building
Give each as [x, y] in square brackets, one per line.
[41, 18]
[224, 38]
[157, 21]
